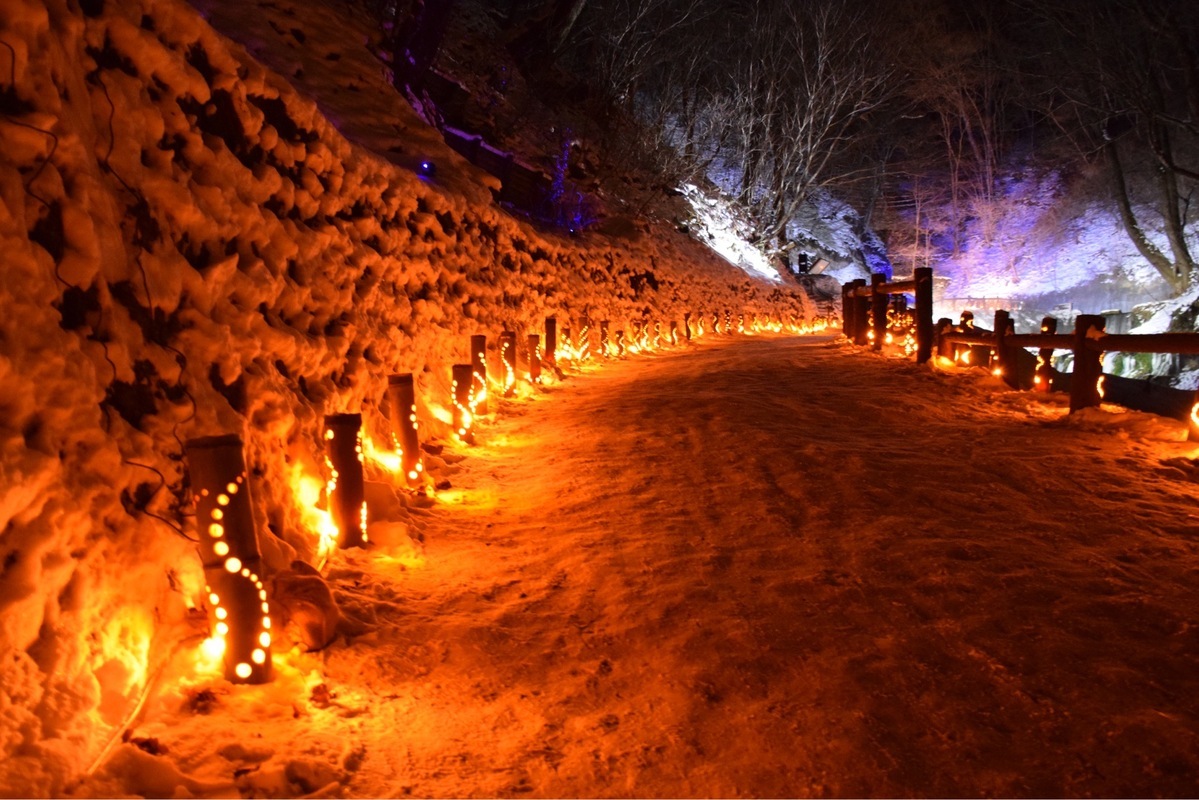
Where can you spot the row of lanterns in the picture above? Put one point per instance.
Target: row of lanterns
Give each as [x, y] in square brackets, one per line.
[239, 613]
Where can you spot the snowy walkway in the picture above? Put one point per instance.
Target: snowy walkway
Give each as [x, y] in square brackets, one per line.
[777, 567]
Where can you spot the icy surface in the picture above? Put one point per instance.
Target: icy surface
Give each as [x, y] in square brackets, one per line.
[719, 226]
[759, 567]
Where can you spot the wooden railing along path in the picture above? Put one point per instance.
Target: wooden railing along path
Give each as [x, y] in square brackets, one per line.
[1007, 353]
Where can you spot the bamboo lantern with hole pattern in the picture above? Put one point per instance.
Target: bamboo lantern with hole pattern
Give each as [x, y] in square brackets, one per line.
[551, 341]
[583, 349]
[604, 347]
[533, 347]
[728, 322]
[687, 326]
[346, 489]
[657, 334]
[464, 402]
[508, 362]
[401, 402]
[620, 343]
[674, 333]
[238, 611]
[478, 371]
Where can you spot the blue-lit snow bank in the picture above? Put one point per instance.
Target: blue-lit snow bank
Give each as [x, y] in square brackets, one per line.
[1049, 250]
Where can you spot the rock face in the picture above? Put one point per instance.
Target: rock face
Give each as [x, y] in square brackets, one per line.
[191, 248]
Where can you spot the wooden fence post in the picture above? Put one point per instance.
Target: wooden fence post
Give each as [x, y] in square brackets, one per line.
[1088, 364]
[944, 348]
[861, 315]
[1004, 365]
[878, 310]
[1043, 378]
[228, 545]
[347, 490]
[924, 314]
[551, 341]
[401, 399]
[847, 306]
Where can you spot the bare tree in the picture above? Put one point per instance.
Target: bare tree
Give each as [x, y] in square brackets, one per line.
[800, 98]
[1131, 90]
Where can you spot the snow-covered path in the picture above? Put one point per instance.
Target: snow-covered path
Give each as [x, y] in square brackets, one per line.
[779, 567]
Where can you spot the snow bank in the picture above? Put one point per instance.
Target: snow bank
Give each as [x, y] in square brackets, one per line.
[191, 248]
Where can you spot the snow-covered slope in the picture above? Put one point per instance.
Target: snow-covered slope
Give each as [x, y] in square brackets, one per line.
[1046, 241]
[190, 248]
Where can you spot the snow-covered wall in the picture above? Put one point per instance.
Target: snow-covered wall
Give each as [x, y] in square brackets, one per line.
[189, 248]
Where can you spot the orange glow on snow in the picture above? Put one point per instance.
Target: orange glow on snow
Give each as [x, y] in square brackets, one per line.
[390, 461]
[306, 490]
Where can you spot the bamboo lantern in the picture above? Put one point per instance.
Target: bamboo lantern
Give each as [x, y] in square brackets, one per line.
[583, 349]
[238, 611]
[657, 334]
[464, 402]
[687, 326]
[478, 371]
[620, 343]
[346, 489]
[728, 322]
[551, 341]
[533, 345]
[605, 349]
[741, 323]
[674, 333]
[508, 361]
[401, 399]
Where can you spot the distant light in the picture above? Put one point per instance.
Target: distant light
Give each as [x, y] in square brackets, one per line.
[428, 169]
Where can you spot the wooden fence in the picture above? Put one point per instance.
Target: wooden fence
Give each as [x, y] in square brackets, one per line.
[1007, 353]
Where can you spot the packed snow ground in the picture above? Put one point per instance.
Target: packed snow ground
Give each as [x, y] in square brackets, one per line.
[768, 566]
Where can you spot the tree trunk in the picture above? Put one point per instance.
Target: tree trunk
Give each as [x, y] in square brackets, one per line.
[1145, 247]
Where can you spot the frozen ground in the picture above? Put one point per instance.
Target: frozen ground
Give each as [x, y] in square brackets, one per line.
[767, 566]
